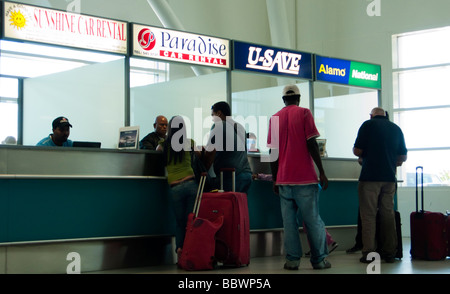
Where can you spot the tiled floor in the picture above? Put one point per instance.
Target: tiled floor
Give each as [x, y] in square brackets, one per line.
[342, 263]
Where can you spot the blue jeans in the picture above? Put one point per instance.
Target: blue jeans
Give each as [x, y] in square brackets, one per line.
[303, 200]
[183, 199]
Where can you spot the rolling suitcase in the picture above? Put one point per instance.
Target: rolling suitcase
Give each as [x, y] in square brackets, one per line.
[428, 238]
[199, 243]
[398, 228]
[233, 238]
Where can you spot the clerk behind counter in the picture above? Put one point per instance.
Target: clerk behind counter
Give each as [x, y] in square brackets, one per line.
[60, 135]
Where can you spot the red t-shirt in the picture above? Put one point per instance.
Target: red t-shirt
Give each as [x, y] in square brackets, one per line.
[296, 126]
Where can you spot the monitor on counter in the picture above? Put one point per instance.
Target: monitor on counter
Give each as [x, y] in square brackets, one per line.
[128, 138]
[87, 144]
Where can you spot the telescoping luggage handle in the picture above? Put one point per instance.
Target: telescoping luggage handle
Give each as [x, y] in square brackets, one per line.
[198, 198]
[417, 187]
[233, 178]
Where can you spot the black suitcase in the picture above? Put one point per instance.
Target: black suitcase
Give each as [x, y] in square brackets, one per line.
[398, 227]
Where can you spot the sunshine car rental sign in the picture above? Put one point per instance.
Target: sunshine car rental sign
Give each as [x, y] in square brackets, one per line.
[37, 24]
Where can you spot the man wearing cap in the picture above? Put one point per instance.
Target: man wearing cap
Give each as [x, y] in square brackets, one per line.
[61, 132]
[295, 179]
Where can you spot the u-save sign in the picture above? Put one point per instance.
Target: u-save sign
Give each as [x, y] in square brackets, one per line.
[277, 61]
[348, 72]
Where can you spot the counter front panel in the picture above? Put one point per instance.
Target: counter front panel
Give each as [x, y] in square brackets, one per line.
[60, 194]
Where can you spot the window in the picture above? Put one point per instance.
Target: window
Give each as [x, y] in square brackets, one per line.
[60, 81]
[421, 71]
[9, 94]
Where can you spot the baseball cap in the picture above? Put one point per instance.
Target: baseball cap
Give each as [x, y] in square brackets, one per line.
[290, 90]
[60, 122]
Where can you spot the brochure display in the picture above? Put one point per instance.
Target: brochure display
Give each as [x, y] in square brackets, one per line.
[128, 138]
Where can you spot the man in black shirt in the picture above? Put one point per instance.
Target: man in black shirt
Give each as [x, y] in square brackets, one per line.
[381, 146]
[152, 140]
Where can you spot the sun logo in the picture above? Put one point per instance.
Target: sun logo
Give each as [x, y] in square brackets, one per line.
[18, 20]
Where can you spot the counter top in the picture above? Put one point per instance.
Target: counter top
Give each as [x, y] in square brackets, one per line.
[336, 169]
[29, 161]
[100, 163]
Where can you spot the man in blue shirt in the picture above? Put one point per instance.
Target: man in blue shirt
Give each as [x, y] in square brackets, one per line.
[61, 133]
[226, 148]
[381, 145]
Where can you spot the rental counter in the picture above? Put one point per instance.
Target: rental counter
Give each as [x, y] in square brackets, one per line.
[67, 193]
[115, 201]
[111, 206]
[338, 204]
[62, 193]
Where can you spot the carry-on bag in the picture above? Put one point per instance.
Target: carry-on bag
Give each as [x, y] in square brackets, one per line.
[233, 238]
[398, 228]
[428, 237]
[199, 243]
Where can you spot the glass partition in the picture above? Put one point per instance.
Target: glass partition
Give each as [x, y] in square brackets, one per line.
[255, 98]
[9, 95]
[339, 111]
[169, 89]
[86, 87]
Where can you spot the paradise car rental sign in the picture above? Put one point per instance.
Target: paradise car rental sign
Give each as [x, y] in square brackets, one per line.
[170, 45]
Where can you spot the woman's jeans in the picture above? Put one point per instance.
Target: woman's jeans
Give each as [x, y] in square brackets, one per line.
[303, 199]
[183, 199]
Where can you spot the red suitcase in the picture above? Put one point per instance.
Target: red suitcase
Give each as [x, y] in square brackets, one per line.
[428, 237]
[233, 238]
[199, 243]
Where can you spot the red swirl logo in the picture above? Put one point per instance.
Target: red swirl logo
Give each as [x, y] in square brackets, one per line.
[147, 39]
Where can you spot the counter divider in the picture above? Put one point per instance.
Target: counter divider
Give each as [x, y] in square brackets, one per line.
[93, 177]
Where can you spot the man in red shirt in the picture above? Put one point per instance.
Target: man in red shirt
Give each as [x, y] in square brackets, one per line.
[295, 178]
